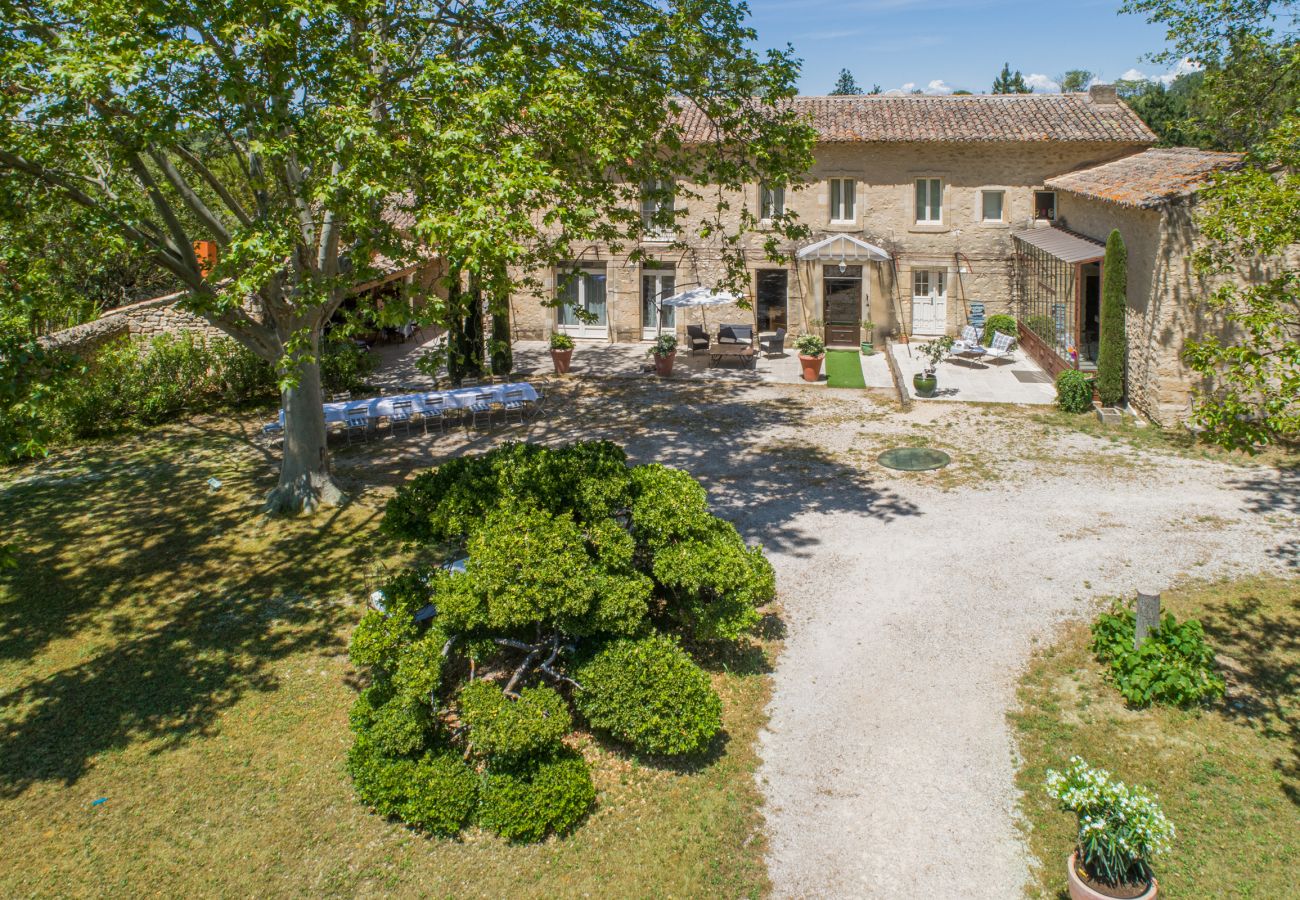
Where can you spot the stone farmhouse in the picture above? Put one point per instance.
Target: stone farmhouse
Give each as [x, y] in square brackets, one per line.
[920, 207]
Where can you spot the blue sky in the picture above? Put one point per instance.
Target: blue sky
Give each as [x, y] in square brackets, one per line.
[942, 45]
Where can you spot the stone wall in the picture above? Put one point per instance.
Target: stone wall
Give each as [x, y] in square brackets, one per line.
[884, 180]
[146, 318]
[1166, 297]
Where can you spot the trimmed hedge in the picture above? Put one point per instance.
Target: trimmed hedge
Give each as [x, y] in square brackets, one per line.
[533, 725]
[1113, 345]
[525, 803]
[436, 793]
[1073, 391]
[649, 694]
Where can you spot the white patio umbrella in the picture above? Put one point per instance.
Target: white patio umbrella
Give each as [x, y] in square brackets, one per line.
[700, 297]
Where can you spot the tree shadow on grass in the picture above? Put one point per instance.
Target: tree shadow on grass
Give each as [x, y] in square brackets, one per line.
[1262, 651]
[177, 600]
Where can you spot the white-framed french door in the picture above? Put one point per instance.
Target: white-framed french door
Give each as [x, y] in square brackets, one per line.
[585, 291]
[657, 285]
[929, 301]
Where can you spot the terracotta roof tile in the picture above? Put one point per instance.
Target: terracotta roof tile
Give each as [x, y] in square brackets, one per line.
[1149, 178]
[986, 118]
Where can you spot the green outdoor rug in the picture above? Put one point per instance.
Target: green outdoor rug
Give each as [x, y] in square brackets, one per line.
[844, 369]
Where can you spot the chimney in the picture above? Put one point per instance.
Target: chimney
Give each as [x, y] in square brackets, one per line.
[1103, 94]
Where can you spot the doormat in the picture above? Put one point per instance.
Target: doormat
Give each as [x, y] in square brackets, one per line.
[843, 370]
[913, 459]
[1024, 376]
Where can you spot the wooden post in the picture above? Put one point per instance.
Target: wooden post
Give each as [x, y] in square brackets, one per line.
[1148, 616]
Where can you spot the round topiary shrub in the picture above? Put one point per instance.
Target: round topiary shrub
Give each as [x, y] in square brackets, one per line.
[547, 795]
[533, 725]
[1073, 391]
[435, 793]
[651, 695]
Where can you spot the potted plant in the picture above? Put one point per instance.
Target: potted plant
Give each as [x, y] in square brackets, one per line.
[868, 327]
[1120, 830]
[664, 351]
[561, 352]
[812, 350]
[927, 381]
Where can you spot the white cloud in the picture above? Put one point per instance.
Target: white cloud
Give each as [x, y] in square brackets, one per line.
[1182, 67]
[1041, 84]
[909, 87]
[938, 86]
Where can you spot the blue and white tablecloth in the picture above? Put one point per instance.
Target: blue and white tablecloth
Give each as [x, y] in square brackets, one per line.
[459, 398]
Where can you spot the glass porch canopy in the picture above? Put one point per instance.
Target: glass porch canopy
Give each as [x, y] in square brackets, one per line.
[843, 248]
[1049, 291]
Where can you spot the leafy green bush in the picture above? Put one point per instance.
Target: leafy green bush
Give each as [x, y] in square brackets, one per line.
[1073, 391]
[651, 695]
[436, 792]
[29, 377]
[549, 795]
[999, 324]
[1175, 666]
[509, 729]
[561, 341]
[344, 367]
[1044, 327]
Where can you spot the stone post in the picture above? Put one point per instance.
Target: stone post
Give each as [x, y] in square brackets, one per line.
[1148, 616]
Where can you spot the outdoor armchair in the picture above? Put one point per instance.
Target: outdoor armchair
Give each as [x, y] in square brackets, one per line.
[735, 334]
[1001, 346]
[774, 345]
[698, 337]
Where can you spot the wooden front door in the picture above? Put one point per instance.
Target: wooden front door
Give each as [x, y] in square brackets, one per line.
[842, 293]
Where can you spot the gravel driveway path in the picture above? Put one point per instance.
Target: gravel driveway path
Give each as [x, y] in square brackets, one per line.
[887, 765]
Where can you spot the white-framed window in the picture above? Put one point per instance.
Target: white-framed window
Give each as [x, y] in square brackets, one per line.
[656, 203]
[929, 283]
[844, 200]
[993, 206]
[771, 202]
[658, 283]
[1045, 205]
[583, 291]
[929, 200]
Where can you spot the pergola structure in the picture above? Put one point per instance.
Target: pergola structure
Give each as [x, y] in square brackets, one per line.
[1049, 293]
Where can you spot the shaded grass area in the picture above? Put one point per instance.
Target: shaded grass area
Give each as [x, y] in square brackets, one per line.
[1228, 776]
[844, 369]
[165, 649]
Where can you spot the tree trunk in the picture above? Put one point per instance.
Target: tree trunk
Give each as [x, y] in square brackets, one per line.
[306, 482]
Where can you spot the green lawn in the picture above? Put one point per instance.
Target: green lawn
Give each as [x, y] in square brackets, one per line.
[166, 649]
[844, 369]
[1227, 776]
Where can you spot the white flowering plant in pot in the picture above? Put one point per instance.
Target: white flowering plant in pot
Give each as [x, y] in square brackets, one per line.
[1121, 828]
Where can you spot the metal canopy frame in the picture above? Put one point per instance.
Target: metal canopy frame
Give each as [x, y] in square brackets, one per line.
[843, 247]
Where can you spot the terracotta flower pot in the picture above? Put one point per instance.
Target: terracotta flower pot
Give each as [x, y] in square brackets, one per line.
[1080, 890]
[664, 364]
[562, 359]
[812, 367]
[925, 387]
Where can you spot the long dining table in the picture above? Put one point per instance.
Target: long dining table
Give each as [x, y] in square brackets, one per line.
[456, 398]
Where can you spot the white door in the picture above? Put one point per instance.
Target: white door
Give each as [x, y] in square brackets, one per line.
[655, 287]
[929, 301]
[586, 292]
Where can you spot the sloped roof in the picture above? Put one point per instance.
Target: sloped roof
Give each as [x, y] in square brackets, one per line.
[979, 118]
[1149, 178]
[1064, 245]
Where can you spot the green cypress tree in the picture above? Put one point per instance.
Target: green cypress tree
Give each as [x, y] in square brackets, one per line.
[1009, 82]
[1114, 304]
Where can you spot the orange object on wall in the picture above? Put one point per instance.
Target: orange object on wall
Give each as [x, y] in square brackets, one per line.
[206, 251]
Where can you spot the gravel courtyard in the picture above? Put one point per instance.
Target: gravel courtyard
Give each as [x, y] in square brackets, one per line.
[912, 601]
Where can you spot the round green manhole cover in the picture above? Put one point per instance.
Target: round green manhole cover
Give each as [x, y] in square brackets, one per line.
[913, 459]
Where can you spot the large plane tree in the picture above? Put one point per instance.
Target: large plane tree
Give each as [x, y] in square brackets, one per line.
[515, 131]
